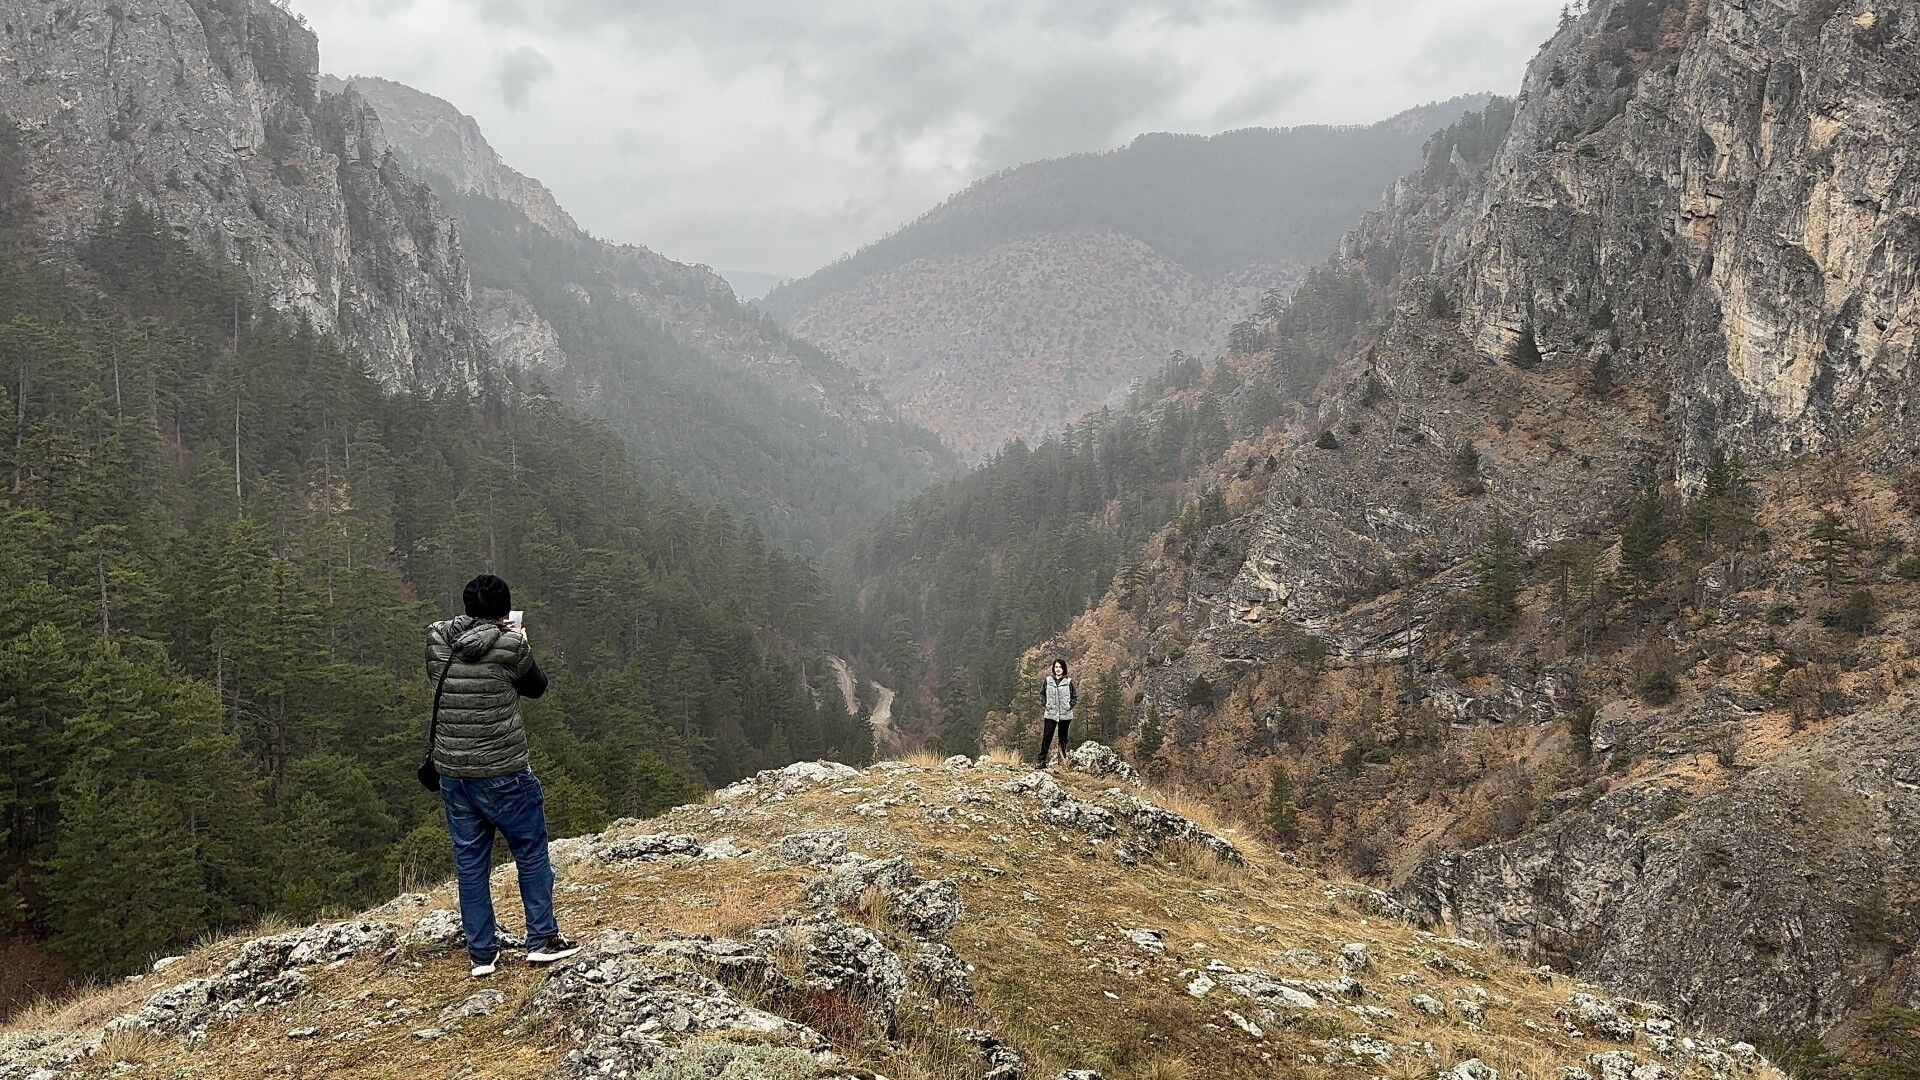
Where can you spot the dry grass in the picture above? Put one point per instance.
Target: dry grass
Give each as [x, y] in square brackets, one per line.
[129, 1046]
[1052, 972]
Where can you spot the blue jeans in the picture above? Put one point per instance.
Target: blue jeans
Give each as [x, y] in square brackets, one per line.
[515, 805]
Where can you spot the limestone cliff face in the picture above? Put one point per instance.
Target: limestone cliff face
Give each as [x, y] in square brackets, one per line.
[436, 137]
[1732, 185]
[210, 112]
[1762, 903]
[1694, 231]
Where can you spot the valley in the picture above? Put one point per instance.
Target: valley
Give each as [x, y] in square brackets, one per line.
[1486, 544]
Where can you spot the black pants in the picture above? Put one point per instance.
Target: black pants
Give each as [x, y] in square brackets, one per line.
[1047, 727]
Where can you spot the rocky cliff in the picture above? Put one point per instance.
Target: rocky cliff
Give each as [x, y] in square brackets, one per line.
[1576, 600]
[1039, 294]
[210, 112]
[961, 919]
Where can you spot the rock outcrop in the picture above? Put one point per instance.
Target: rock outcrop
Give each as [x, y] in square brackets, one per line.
[211, 113]
[786, 929]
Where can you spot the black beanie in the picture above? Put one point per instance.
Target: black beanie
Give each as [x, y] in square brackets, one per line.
[487, 597]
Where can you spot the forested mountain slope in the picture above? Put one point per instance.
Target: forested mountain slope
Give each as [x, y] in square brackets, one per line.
[222, 539]
[1037, 295]
[708, 392]
[1575, 604]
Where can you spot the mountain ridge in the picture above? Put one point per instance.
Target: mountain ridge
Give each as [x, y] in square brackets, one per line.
[711, 393]
[1038, 294]
[909, 919]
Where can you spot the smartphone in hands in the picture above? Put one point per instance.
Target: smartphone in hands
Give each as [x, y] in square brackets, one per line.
[516, 621]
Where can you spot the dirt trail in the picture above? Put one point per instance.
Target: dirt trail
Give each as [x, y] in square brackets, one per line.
[844, 675]
[882, 713]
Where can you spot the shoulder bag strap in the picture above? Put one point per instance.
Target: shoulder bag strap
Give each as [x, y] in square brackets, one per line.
[433, 725]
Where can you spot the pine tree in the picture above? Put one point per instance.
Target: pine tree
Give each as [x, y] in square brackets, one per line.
[1724, 512]
[1499, 567]
[1282, 816]
[1834, 543]
[1646, 531]
[123, 884]
[1146, 747]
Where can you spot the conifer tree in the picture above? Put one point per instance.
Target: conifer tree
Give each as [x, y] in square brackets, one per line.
[1834, 543]
[1282, 816]
[1646, 531]
[1499, 567]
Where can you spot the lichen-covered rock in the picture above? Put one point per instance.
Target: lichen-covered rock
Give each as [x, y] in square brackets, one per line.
[853, 960]
[1275, 1004]
[1100, 760]
[791, 780]
[652, 846]
[820, 847]
[1156, 827]
[477, 1004]
[264, 973]
[1471, 1069]
[625, 1005]
[928, 910]
[1597, 1017]
[438, 928]
[1003, 1062]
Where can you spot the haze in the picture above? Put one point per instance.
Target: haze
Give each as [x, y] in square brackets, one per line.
[771, 136]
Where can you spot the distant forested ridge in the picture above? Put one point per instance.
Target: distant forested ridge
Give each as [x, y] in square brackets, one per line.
[222, 540]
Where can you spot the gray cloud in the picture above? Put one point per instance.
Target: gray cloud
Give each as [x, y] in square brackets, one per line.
[518, 71]
[774, 135]
[1088, 104]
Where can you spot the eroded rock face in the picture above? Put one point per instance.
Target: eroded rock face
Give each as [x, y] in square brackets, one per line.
[1741, 207]
[211, 115]
[1707, 905]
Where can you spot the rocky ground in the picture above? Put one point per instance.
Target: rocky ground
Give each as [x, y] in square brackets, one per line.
[938, 919]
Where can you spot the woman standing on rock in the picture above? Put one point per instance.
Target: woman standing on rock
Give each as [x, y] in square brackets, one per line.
[1058, 695]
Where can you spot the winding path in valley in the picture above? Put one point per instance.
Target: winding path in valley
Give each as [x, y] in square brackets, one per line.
[882, 718]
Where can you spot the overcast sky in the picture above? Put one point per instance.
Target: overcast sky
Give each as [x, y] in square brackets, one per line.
[776, 135]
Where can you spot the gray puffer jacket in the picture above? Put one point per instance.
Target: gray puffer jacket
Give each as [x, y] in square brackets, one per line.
[481, 732]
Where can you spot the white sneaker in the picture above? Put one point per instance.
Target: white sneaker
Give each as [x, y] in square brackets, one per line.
[481, 971]
[554, 948]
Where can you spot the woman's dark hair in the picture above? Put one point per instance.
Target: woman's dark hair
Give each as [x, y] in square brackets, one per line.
[1059, 665]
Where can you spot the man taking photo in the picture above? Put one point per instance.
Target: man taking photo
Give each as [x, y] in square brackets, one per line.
[482, 666]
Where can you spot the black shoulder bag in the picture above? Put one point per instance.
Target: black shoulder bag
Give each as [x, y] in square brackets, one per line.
[430, 775]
